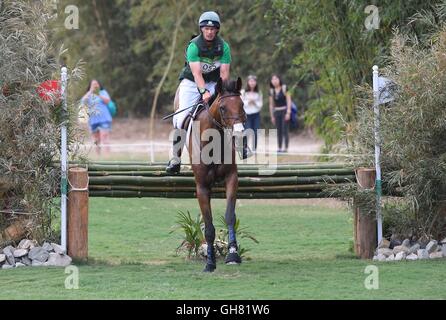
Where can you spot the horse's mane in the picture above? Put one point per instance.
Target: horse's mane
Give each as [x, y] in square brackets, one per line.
[230, 86]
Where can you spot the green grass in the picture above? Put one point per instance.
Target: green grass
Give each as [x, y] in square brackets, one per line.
[302, 254]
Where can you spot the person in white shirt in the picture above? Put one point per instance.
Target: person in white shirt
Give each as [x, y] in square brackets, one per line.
[253, 102]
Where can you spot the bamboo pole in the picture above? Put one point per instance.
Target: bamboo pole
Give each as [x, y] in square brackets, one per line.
[218, 195]
[190, 181]
[308, 187]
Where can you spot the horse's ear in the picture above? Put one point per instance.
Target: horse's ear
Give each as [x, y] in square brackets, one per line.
[239, 84]
[219, 86]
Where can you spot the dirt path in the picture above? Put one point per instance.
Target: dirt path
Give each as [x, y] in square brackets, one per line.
[136, 132]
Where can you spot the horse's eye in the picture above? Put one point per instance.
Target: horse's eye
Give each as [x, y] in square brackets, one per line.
[222, 108]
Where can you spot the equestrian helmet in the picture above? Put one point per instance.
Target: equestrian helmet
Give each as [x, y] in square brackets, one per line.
[209, 19]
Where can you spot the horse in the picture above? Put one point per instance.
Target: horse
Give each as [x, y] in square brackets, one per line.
[224, 113]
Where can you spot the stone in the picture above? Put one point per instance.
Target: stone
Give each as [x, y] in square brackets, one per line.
[7, 266]
[436, 255]
[406, 243]
[400, 256]
[8, 251]
[2, 258]
[399, 249]
[381, 257]
[26, 261]
[18, 253]
[385, 251]
[432, 246]
[26, 244]
[19, 264]
[37, 263]
[58, 260]
[391, 257]
[443, 250]
[48, 247]
[412, 257]
[394, 243]
[422, 254]
[384, 244]
[57, 248]
[443, 241]
[414, 249]
[39, 254]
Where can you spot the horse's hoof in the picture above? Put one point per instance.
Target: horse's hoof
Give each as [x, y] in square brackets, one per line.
[210, 268]
[233, 258]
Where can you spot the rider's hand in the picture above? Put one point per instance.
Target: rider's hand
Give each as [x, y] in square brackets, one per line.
[287, 117]
[206, 96]
[273, 120]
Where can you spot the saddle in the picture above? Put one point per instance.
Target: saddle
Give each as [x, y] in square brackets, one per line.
[195, 111]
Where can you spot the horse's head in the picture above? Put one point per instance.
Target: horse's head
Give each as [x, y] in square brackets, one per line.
[231, 114]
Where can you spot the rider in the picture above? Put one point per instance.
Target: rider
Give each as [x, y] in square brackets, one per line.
[208, 58]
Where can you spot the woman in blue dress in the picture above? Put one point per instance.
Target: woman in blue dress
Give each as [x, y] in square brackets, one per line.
[100, 120]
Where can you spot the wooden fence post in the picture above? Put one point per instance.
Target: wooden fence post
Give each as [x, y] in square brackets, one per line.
[77, 221]
[364, 221]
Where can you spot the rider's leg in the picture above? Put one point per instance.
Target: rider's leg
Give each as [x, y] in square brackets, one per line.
[188, 95]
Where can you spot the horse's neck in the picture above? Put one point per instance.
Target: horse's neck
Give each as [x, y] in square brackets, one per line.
[213, 111]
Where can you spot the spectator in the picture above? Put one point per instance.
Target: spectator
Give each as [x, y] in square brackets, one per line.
[100, 120]
[253, 102]
[280, 110]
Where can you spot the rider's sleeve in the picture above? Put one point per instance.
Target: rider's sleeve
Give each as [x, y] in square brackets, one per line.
[226, 57]
[192, 53]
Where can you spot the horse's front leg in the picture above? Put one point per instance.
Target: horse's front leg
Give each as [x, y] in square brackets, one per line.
[204, 199]
[233, 256]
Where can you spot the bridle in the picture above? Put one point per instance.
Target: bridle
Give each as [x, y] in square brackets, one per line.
[223, 124]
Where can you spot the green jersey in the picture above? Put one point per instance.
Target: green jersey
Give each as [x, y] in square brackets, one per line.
[210, 58]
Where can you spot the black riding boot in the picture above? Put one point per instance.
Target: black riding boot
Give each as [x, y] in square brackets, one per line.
[174, 165]
[243, 150]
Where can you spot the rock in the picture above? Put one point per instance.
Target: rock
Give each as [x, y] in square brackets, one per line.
[19, 264]
[58, 260]
[381, 257]
[399, 249]
[391, 257]
[406, 243]
[432, 246]
[394, 243]
[26, 261]
[443, 249]
[18, 253]
[422, 254]
[8, 252]
[400, 256]
[27, 244]
[2, 258]
[443, 241]
[384, 244]
[48, 247]
[57, 248]
[385, 251]
[436, 255]
[7, 266]
[414, 248]
[37, 263]
[412, 257]
[39, 254]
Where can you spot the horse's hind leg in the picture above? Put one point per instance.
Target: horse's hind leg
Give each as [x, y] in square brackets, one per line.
[203, 195]
[233, 256]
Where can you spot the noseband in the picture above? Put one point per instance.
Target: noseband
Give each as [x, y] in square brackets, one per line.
[223, 125]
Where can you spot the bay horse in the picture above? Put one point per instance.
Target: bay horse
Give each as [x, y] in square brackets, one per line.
[225, 114]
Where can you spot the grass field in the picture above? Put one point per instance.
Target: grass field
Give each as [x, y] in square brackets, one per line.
[303, 254]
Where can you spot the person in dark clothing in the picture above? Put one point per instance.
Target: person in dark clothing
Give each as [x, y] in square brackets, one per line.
[280, 111]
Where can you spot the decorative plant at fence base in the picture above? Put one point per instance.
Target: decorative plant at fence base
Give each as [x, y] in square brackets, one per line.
[194, 242]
